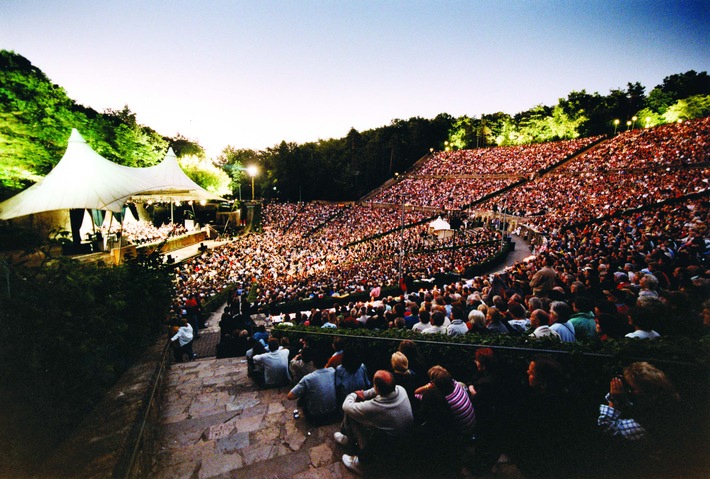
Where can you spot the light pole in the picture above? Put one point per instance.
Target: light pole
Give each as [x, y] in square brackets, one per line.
[616, 125]
[252, 170]
[633, 119]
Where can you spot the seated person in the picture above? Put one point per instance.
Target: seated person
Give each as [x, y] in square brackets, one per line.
[641, 318]
[374, 419]
[404, 376]
[643, 423]
[351, 375]
[446, 406]
[316, 391]
[275, 365]
[301, 364]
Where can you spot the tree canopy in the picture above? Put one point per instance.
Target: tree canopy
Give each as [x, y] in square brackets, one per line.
[36, 117]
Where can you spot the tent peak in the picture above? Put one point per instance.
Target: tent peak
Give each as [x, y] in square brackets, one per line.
[170, 151]
[76, 136]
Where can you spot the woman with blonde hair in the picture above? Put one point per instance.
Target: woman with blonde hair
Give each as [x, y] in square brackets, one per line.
[404, 376]
[644, 392]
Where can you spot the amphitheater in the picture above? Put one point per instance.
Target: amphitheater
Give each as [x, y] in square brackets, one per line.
[600, 210]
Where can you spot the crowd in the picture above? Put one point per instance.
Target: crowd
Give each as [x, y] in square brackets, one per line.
[505, 160]
[446, 193]
[560, 200]
[384, 414]
[638, 274]
[673, 145]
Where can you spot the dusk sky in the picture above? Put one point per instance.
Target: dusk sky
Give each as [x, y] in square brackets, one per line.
[251, 74]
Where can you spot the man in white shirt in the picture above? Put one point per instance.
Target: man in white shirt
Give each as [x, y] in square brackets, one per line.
[540, 322]
[641, 318]
[183, 346]
[275, 364]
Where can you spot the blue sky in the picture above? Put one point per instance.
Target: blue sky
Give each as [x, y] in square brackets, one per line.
[250, 74]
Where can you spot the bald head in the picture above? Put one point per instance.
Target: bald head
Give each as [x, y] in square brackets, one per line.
[384, 382]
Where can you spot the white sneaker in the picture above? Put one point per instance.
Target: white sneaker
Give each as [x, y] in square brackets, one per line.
[341, 438]
[352, 463]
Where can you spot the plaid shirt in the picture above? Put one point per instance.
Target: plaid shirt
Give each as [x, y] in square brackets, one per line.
[610, 422]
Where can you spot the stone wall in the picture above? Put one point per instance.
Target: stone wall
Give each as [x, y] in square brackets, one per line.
[117, 438]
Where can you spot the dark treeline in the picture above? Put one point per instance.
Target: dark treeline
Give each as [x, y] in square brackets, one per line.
[36, 117]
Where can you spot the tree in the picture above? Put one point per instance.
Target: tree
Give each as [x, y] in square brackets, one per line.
[205, 173]
[677, 87]
[693, 107]
[183, 146]
[234, 161]
[463, 132]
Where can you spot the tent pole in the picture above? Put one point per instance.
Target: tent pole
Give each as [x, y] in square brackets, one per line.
[172, 203]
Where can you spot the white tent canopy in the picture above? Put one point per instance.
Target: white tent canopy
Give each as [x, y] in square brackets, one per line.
[174, 184]
[83, 179]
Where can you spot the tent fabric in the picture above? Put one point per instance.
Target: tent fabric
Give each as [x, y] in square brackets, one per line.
[174, 183]
[83, 179]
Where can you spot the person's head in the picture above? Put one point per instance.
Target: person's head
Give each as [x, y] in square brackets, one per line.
[583, 304]
[477, 318]
[649, 282]
[485, 360]
[534, 303]
[338, 343]
[494, 315]
[273, 344]
[544, 374]
[400, 363]
[258, 347]
[604, 307]
[438, 318]
[351, 359]
[441, 379]
[516, 310]
[424, 316]
[649, 385]
[642, 318]
[539, 318]
[307, 354]
[321, 357]
[560, 311]
[384, 382]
